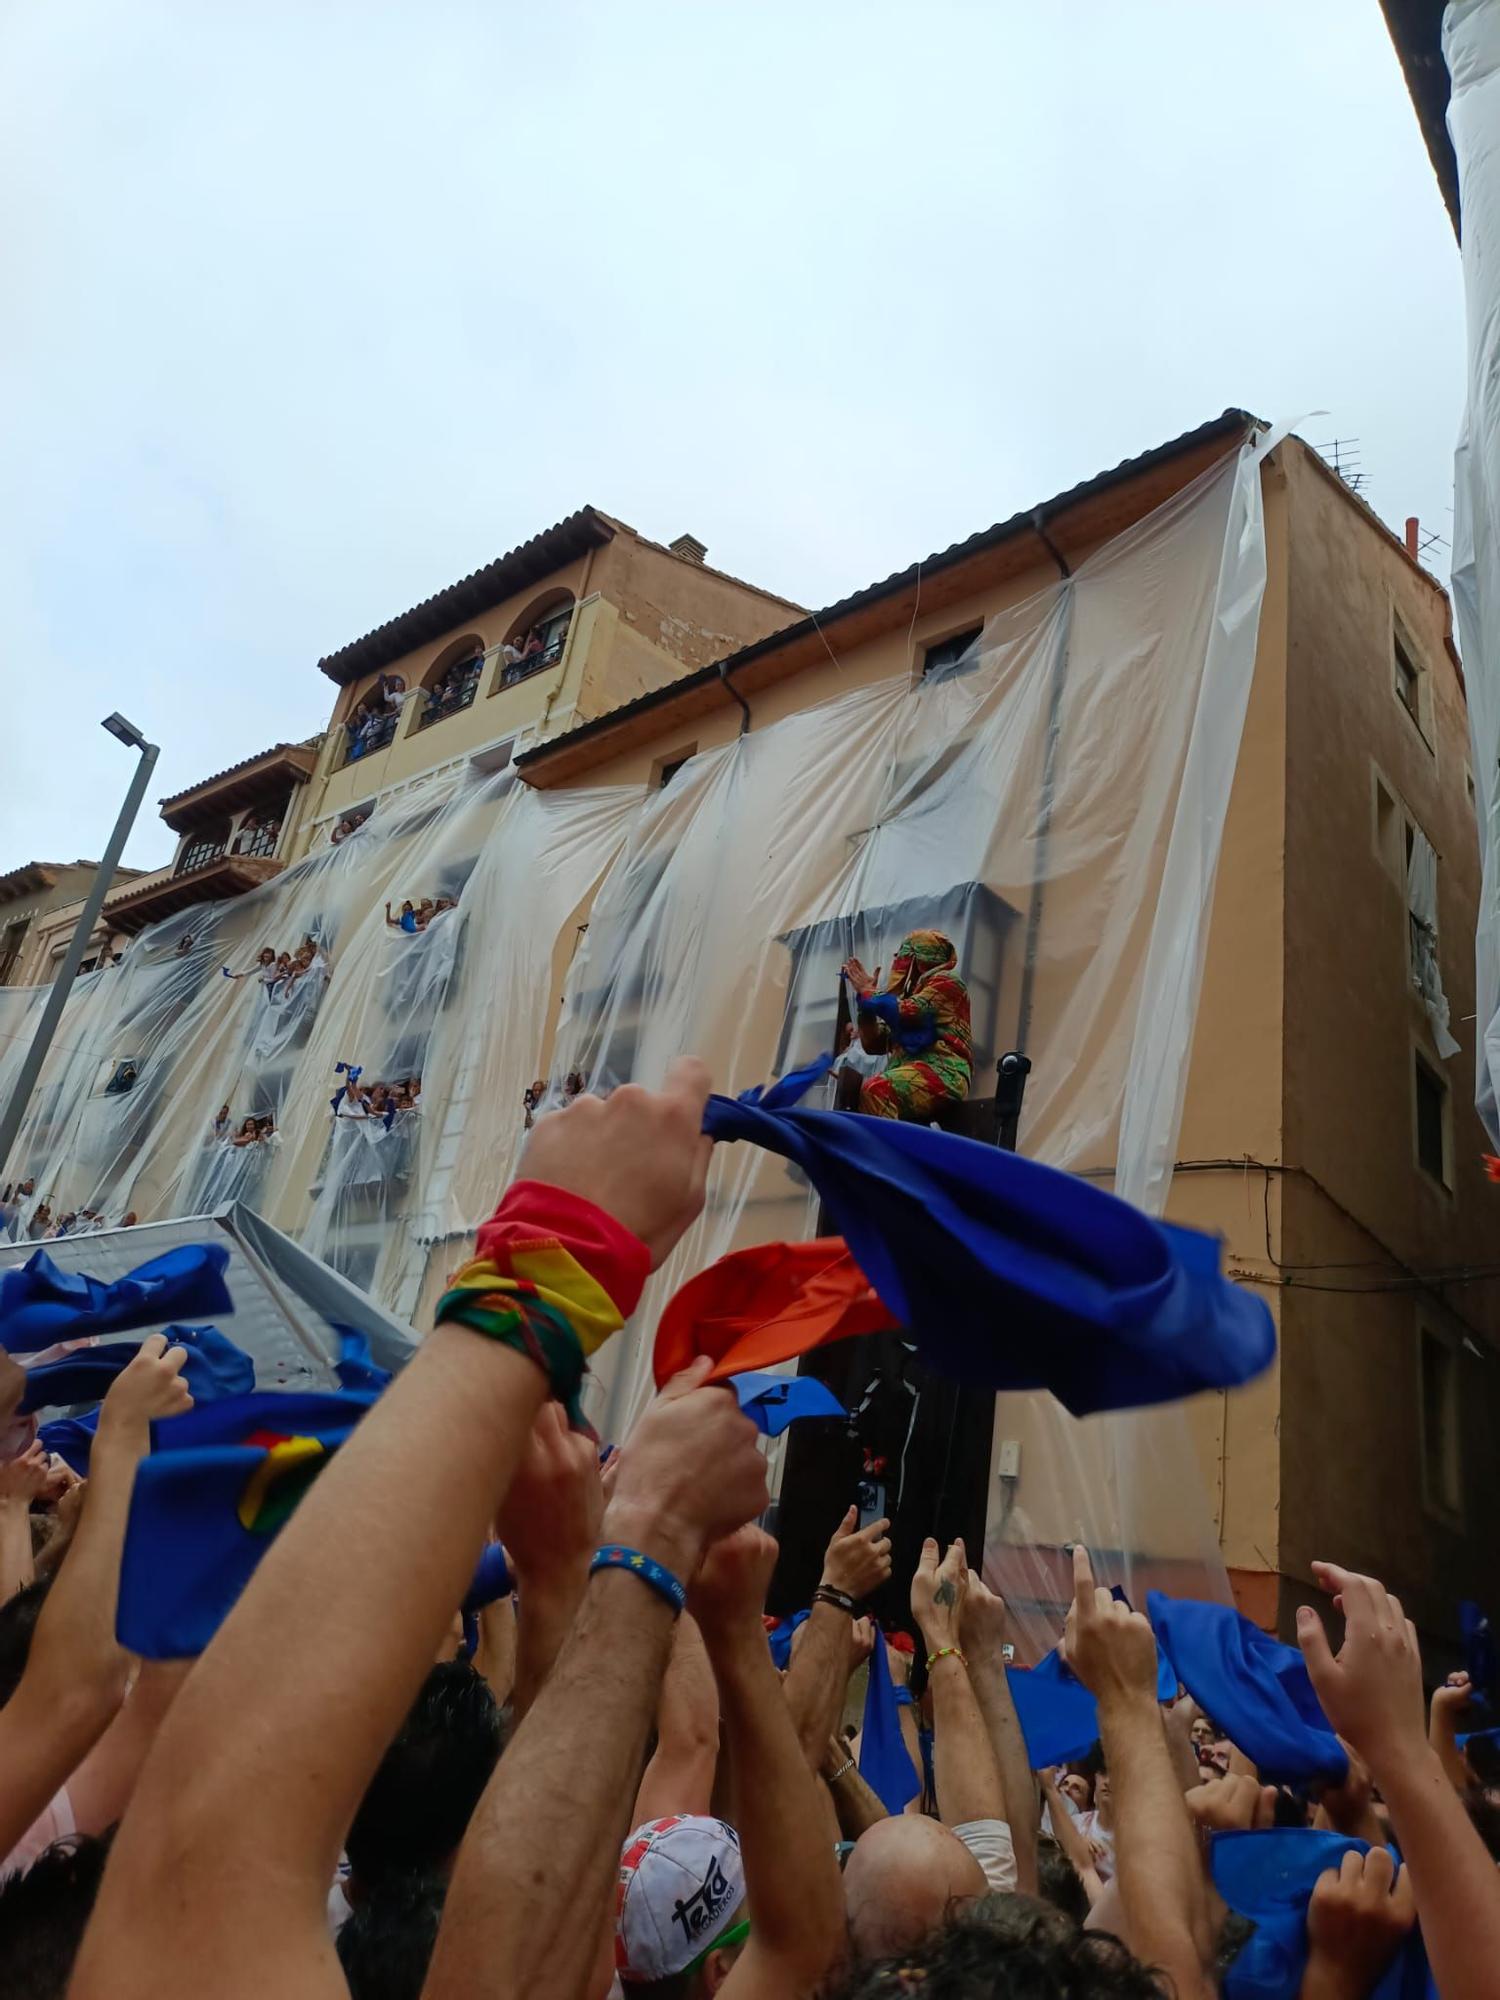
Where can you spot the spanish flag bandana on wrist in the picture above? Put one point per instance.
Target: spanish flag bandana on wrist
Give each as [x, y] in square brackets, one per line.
[552, 1276]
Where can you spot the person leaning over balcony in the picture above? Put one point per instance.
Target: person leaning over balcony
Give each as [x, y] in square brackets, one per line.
[407, 921]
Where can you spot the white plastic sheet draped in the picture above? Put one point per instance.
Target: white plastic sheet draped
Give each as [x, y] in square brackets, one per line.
[1422, 916]
[1471, 49]
[1054, 801]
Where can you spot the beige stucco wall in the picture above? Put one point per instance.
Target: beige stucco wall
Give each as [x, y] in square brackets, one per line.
[1358, 1210]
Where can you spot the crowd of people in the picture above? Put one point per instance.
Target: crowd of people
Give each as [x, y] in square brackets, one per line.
[386, 1101]
[25, 1218]
[350, 823]
[279, 973]
[601, 1783]
[255, 1129]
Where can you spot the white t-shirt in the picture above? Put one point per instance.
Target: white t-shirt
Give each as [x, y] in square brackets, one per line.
[56, 1823]
[989, 1841]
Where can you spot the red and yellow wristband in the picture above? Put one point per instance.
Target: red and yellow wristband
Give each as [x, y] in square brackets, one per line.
[554, 1276]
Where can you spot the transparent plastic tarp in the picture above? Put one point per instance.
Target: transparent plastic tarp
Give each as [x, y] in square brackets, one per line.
[1054, 801]
[1471, 49]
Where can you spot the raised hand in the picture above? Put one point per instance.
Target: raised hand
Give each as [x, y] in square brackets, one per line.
[1453, 1697]
[1111, 1648]
[552, 1512]
[1359, 1915]
[728, 1593]
[690, 1472]
[938, 1594]
[858, 1560]
[1371, 1690]
[25, 1478]
[150, 1386]
[638, 1154]
[1232, 1805]
[982, 1625]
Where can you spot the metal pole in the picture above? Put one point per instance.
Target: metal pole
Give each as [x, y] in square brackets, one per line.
[62, 985]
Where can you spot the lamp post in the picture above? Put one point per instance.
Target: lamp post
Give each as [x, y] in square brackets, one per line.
[126, 733]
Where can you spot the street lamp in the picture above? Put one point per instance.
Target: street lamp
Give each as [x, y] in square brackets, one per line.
[126, 733]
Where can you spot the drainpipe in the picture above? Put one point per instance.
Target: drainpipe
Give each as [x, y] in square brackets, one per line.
[1047, 796]
[730, 689]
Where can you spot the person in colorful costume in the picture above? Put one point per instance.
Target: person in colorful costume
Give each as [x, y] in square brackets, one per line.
[925, 1006]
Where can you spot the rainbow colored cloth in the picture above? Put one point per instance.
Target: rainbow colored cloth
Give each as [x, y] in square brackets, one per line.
[554, 1277]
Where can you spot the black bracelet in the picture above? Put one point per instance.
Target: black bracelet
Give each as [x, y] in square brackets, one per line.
[839, 1599]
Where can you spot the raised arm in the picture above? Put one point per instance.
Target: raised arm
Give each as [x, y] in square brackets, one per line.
[680, 1776]
[792, 1883]
[549, 1524]
[856, 1562]
[76, 1674]
[1371, 1692]
[983, 1636]
[964, 1768]
[235, 1828]
[1163, 1895]
[21, 1481]
[534, 1876]
[1447, 1705]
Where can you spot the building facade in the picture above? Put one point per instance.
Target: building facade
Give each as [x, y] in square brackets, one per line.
[662, 803]
[39, 907]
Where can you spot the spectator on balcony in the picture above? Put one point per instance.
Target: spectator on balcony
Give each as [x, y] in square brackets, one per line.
[350, 823]
[41, 1221]
[184, 944]
[407, 921]
[248, 1134]
[437, 909]
[220, 1127]
[129, 1219]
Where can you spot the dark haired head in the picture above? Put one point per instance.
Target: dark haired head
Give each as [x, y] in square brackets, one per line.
[413, 1816]
[18, 1616]
[386, 1942]
[1007, 1948]
[43, 1914]
[1059, 1883]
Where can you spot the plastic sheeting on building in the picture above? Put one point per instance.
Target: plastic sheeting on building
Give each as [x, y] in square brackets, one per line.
[1422, 916]
[1471, 49]
[1055, 800]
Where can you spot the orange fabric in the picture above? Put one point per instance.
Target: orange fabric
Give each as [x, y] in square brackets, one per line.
[767, 1304]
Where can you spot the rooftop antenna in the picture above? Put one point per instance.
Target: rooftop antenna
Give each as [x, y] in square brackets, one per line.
[1343, 455]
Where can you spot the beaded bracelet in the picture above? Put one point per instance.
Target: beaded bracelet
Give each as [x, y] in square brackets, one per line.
[945, 1653]
[614, 1556]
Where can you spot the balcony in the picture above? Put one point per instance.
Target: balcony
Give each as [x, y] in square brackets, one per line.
[198, 854]
[214, 877]
[515, 671]
[453, 693]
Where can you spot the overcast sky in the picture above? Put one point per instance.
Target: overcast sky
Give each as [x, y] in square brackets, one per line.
[312, 307]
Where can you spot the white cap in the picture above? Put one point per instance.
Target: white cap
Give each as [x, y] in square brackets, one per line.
[681, 1881]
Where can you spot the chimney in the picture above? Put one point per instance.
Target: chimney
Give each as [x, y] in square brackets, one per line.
[1411, 536]
[689, 548]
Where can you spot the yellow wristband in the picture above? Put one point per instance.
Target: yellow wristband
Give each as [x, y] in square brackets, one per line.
[945, 1653]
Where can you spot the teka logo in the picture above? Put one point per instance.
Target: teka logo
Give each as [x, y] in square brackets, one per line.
[701, 1911]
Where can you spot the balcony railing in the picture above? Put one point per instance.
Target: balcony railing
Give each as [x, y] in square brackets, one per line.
[259, 839]
[535, 663]
[454, 692]
[198, 854]
[370, 735]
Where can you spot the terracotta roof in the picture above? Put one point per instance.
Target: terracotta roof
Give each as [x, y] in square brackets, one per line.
[34, 876]
[1233, 423]
[1416, 28]
[520, 567]
[240, 784]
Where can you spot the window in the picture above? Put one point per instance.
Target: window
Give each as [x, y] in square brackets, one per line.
[665, 769]
[10, 946]
[946, 654]
[1431, 1099]
[452, 682]
[1442, 1466]
[536, 640]
[201, 850]
[1407, 677]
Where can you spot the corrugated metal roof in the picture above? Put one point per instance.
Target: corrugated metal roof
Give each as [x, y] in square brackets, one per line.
[1230, 422]
[529, 563]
